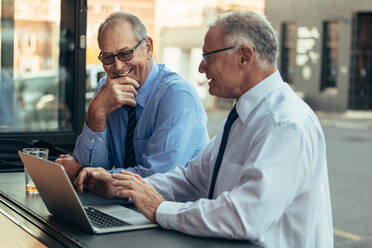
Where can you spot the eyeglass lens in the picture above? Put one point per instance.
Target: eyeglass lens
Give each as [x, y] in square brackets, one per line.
[122, 56]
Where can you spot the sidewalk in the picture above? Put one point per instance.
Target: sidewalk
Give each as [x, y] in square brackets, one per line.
[351, 119]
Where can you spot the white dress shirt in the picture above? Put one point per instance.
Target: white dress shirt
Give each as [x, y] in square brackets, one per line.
[272, 187]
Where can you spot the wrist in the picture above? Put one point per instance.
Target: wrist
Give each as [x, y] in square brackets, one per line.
[78, 171]
[96, 118]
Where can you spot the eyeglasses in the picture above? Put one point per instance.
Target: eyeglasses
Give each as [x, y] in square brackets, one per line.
[214, 51]
[122, 56]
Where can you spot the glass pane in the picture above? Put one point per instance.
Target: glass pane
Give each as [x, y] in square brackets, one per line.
[330, 54]
[32, 80]
[288, 58]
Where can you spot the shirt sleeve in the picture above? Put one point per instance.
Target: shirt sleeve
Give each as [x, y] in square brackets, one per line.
[180, 134]
[91, 148]
[266, 186]
[185, 183]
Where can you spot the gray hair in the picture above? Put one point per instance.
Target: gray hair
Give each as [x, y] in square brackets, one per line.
[247, 27]
[138, 27]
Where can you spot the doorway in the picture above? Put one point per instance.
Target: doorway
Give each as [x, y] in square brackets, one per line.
[360, 91]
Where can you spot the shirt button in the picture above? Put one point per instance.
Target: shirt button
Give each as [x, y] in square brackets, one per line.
[100, 139]
[93, 140]
[90, 163]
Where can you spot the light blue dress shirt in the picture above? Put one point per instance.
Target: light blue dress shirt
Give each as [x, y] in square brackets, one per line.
[170, 131]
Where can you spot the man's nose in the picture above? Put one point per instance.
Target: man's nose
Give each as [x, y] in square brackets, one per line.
[118, 63]
[202, 67]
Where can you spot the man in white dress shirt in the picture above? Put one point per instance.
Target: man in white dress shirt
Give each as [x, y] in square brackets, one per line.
[272, 184]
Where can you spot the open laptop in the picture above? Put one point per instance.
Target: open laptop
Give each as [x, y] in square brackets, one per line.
[62, 201]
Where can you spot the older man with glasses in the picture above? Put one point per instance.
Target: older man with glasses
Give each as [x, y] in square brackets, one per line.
[144, 117]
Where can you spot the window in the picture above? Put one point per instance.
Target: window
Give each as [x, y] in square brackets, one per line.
[360, 90]
[331, 31]
[288, 52]
[41, 64]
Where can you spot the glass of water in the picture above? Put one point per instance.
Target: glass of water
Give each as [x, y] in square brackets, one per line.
[38, 152]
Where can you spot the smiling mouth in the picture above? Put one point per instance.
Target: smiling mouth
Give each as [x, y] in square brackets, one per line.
[125, 73]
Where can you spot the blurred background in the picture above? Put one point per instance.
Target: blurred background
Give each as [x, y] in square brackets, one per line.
[325, 56]
[49, 70]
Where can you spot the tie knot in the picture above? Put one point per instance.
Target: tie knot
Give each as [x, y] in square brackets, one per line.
[131, 109]
[233, 114]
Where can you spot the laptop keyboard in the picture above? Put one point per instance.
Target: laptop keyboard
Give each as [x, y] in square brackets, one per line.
[102, 220]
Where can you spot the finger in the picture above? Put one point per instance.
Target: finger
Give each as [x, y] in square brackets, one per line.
[123, 89]
[127, 94]
[125, 172]
[125, 193]
[79, 181]
[136, 177]
[121, 176]
[119, 98]
[127, 184]
[61, 161]
[128, 81]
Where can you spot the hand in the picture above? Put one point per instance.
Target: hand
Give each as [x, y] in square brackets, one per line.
[91, 174]
[70, 164]
[115, 93]
[101, 183]
[144, 196]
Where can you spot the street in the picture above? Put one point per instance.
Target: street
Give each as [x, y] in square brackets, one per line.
[349, 155]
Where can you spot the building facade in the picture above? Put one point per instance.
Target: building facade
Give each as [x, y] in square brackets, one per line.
[181, 38]
[326, 50]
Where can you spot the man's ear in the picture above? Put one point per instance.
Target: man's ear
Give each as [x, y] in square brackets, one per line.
[149, 48]
[246, 54]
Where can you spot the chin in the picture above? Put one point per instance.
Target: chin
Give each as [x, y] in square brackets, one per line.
[212, 91]
[219, 93]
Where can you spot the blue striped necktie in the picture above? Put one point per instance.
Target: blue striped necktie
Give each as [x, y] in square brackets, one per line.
[230, 120]
[130, 157]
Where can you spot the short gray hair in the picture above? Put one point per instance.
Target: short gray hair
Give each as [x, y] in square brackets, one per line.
[250, 28]
[138, 27]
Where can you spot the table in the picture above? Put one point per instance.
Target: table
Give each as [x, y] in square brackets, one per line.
[29, 213]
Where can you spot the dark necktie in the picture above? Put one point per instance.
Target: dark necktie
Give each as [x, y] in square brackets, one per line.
[130, 157]
[230, 120]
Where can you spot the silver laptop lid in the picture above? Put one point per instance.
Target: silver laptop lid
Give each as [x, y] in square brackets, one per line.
[62, 201]
[56, 190]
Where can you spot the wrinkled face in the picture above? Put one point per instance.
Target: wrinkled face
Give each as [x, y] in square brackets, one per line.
[222, 68]
[119, 37]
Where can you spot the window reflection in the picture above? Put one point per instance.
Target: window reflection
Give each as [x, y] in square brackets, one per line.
[30, 73]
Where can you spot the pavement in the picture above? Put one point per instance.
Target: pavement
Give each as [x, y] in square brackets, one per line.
[351, 119]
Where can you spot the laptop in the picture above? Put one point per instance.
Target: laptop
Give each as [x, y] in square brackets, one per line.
[62, 201]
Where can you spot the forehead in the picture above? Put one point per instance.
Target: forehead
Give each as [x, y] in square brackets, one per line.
[214, 39]
[116, 36]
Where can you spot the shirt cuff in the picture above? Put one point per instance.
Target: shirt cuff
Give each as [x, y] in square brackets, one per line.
[91, 138]
[166, 214]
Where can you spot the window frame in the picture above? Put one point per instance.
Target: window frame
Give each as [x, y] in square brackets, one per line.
[326, 55]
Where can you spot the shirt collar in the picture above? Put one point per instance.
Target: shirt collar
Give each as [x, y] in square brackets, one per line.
[144, 91]
[250, 99]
